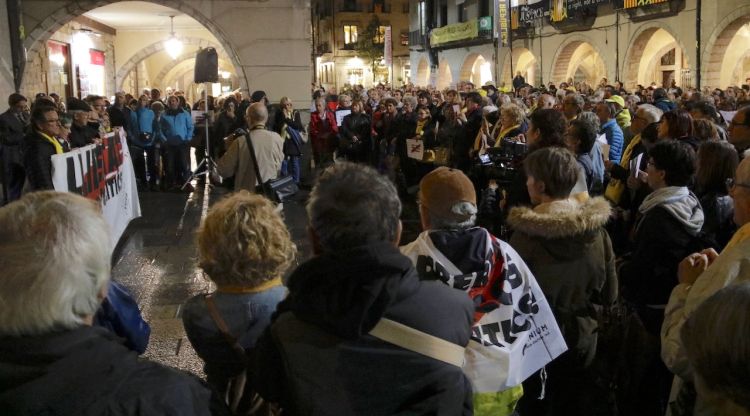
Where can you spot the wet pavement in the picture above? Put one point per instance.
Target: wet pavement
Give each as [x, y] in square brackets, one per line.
[156, 261]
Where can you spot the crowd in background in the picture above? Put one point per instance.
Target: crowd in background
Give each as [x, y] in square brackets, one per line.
[630, 209]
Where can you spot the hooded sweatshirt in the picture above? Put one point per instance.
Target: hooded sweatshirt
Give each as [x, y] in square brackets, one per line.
[671, 219]
[318, 358]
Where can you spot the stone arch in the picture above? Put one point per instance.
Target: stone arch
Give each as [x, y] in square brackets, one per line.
[525, 61]
[445, 76]
[423, 73]
[38, 35]
[187, 63]
[561, 62]
[157, 47]
[715, 52]
[639, 43]
[472, 69]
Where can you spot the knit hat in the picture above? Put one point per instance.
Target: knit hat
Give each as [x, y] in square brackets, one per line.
[75, 104]
[443, 188]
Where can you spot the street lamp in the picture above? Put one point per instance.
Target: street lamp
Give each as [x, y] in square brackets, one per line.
[173, 45]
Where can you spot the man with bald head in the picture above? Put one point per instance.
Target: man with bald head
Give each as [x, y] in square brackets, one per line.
[705, 273]
[267, 144]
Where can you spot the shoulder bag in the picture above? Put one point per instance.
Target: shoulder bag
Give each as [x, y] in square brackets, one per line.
[278, 189]
[242, 400]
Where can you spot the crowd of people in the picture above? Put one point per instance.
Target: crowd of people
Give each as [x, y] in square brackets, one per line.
[630, 211]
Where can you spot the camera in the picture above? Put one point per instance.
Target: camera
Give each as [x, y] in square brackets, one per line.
[502, 162]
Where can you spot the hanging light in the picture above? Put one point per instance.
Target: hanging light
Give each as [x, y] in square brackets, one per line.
[173, 45]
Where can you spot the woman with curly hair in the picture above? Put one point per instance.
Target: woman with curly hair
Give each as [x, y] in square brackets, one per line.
[244, 248]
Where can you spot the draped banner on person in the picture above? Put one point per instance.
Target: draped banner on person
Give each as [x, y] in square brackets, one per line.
[105, 174]
[515, 332]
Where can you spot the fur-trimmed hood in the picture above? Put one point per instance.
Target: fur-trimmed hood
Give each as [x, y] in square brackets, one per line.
[561, 219]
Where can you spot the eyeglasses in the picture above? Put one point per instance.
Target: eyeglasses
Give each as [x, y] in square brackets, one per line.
[731, 183]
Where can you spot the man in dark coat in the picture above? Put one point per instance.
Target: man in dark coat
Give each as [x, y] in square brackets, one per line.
[12, 125]
[52, 361]
[81, 133]
[40, 145]
[318, 356]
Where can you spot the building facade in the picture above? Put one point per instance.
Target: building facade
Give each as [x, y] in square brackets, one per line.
[253, 52]
[338, 28]
[636, 42]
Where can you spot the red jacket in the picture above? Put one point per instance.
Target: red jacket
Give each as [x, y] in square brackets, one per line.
[323, 135]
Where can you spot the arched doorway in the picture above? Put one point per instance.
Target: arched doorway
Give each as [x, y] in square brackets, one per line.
[423, 73]
[725, 60]
[64, 27]
[524, 62]
[655, 56]
[476, 69]
[445, 77]
[580, 61]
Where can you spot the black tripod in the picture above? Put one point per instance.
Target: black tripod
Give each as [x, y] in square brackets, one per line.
[207, 163]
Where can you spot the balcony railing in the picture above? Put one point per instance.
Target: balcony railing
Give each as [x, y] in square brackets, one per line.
[324, 47]
[417, 40]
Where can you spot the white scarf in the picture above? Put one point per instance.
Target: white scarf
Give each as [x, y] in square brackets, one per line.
[682, 204]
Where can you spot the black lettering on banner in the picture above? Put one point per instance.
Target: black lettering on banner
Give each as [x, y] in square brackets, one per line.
[429, 269]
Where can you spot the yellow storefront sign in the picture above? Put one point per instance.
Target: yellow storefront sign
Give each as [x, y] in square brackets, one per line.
[454, 32]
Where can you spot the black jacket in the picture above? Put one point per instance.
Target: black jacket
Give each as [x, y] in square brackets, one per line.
[82, 136]
[87, 371]
[719, 226]
[317, 357]
[356, 125]
[37, 162]
[12, 132]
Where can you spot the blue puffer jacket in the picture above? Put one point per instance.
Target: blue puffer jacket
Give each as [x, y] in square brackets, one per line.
[615, 139]
[133, 129]
[145, 119]
[177, 126]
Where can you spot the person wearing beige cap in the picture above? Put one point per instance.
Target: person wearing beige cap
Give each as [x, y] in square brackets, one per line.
[453, 250]
[703, 274]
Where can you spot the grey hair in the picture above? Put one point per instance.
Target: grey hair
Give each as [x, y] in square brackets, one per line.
[591, 118]
[411, 100]
[353, 205]
[650, 113]
[55, 257]
[460, 208]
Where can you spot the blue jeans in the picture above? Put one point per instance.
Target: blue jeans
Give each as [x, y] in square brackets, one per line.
[291, 166]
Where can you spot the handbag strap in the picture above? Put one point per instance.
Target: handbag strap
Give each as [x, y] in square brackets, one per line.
[420, 342]
[213, 311]
[252, 156]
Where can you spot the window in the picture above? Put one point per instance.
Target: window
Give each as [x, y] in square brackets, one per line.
[350, 34]
[380, 36]
[461, 13]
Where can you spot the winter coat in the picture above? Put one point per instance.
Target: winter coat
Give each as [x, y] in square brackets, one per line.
[662, 240]
[12, 132]
[323, 131]
[594, 184]
[87, 371]
[317, 357]
[665, 105]
[615, 139]
[718, 210]
[37, 161]
[565, 245]
[356, 125]
[145, 119]
[82, 136]
[177, 126]
[246, 314]
[732, 266]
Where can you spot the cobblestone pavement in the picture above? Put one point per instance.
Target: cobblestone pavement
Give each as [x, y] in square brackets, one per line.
[156, 261]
